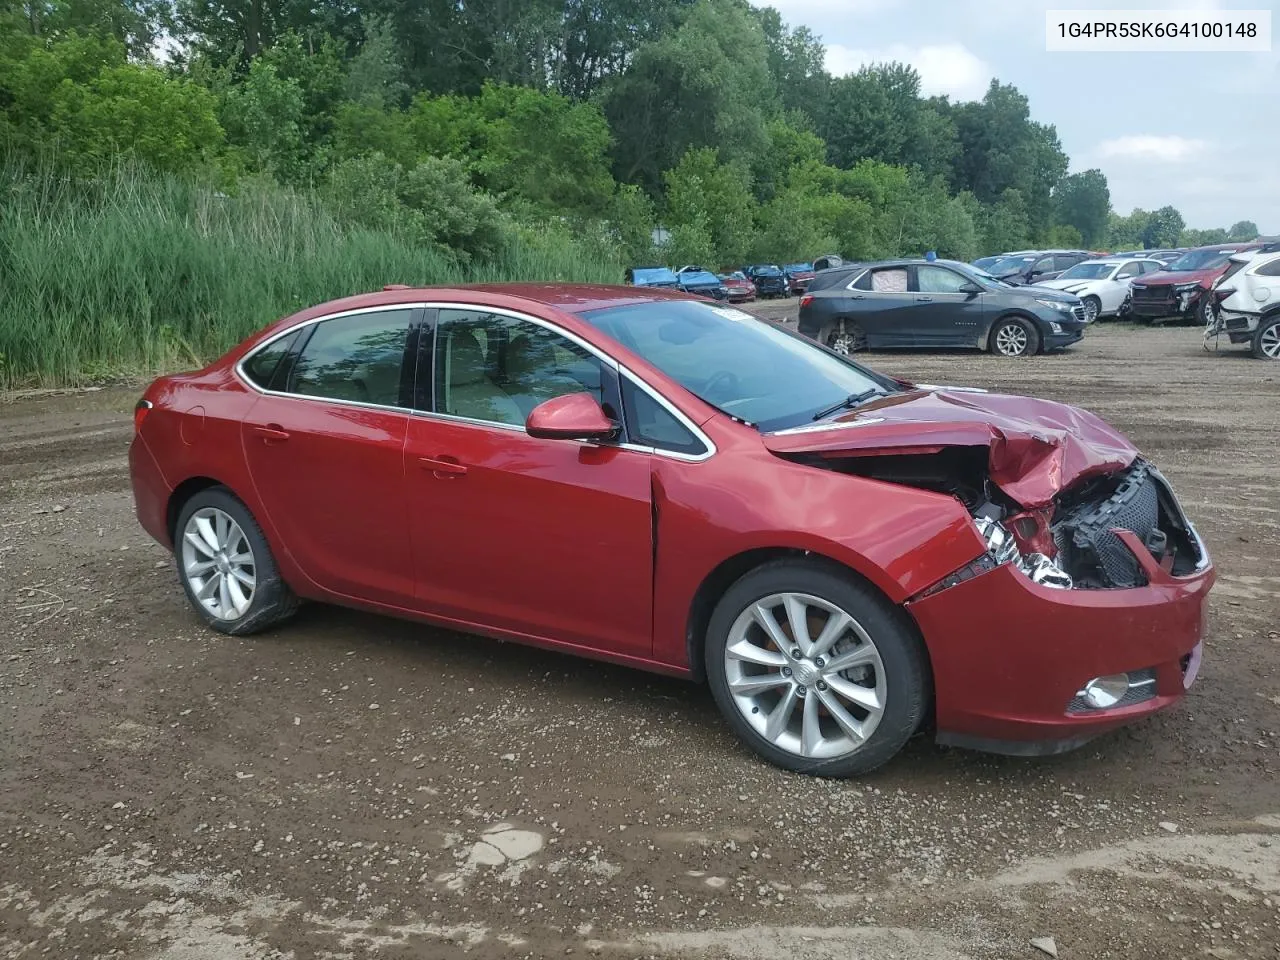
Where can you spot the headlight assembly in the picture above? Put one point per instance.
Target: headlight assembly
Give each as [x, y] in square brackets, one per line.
[1002, 548]
[1055, 305]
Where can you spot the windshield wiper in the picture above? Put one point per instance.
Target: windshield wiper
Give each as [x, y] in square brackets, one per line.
[848, 403]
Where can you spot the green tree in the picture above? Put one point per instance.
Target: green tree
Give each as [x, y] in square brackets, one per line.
[374, 73]
[1083, 201]
[1242, 230]
[707, 83]
[1006, 225]
[1126, 232]
[707, 197]
[797, 62]
[1162, 229]
[1201, 238]
[264, 117]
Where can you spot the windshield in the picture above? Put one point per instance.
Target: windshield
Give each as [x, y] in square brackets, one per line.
[799, 268]
[1089, 271]
[768, 272]
[1201, 260]
[987, 280]
[699, 277]
[1010, 265]
[736, 362]
[986, 263]
[645, 275]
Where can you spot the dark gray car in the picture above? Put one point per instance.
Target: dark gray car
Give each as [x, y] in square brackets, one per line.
[917, 303]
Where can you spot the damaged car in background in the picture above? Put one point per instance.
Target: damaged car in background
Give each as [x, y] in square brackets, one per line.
[654, 479]
[1248, 304]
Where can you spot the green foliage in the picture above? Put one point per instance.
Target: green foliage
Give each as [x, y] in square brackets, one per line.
[1083, 201]
[1163, 229]
[631, 222]
[1201, 238]
[133, 273]
[1125, 233]
[1242, 230]
[1006, 225]
[264, 118]
[711, 200]
[374, 74]
[1066, 237]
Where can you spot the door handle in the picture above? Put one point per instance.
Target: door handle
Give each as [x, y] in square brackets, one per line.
[857, 296]
[272, 432]
[442, 467]
[925, 299]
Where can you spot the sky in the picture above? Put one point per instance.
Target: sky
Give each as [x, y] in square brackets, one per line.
[1199, 131]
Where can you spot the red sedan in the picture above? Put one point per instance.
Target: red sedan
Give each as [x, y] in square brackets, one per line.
[661, 481]
[739, 288]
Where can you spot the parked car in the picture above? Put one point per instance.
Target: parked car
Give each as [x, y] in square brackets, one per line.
[769, 280]
[827, 261]
[1180, 291]
[653, 277]
[640, 476]
[1102, 285]
[1036, 266]
[737, 286]
[798, 277]
[1248, 303]
[915, 303]
[702, 282]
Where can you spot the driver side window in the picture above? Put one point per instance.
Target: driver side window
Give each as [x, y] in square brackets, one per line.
[931, 279]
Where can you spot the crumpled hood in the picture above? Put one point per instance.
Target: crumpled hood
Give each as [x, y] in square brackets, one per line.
[1038, 448]
[1163, 278]
[1064, 286]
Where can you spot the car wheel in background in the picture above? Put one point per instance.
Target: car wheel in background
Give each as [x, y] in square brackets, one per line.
[814, 670]
[1266, 339]
[1092, 307]
[1207, 311]
[226, 567]
[846, 338]
[1014, 337]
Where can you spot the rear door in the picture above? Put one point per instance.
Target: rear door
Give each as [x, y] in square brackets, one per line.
[325, 449]
[880, 301]
[944, 315]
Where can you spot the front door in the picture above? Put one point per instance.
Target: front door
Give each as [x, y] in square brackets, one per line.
[326, 455]
[546, 538]
[945, 315]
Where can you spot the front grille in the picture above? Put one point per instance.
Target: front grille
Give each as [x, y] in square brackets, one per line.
[1161, 294]
[1083, 531]
[1078, 313]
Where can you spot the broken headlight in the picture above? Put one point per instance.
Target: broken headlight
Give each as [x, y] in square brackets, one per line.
[1002, 548]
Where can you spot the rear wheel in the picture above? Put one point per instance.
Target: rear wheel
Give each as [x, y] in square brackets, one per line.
[1266, 339]
[846, 338]
[226, 567]
[1014, 337]
[814, 670]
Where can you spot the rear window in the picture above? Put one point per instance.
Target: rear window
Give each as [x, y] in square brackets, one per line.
[260, 369]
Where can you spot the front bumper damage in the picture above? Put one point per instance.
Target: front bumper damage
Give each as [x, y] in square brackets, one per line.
[1166, 301]
[1015, 650]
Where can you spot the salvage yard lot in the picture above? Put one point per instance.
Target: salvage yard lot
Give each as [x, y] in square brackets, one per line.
[356, 786]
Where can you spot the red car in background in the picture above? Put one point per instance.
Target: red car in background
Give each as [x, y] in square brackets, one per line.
[650, 478]
[741, 290]
[798, 275]
[1181, 290]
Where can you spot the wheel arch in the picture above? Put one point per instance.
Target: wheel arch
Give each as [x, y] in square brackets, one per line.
[729, 571]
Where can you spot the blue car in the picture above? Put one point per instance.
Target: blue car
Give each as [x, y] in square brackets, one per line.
[702, 282]
[653, 277]
[769, 279]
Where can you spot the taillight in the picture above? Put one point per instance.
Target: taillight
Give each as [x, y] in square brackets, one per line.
[1223, 292]
[806, 299]
[140, 411]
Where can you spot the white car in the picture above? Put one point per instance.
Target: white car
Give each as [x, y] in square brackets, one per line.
[1102, 285]
[1247, 299]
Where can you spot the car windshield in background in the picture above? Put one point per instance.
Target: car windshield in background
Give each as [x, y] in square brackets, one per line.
[799, 268]
[1089, 271]
[768, 272]
[701, 278]
[987, 280]
[643, 275]
[1010, 265]
[986, 263]
[1201, 260]
[733, 361]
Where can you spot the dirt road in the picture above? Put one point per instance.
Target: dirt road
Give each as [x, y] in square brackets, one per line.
[352, 786]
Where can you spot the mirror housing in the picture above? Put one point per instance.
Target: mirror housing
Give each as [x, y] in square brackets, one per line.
[573, 416]
[970, 288]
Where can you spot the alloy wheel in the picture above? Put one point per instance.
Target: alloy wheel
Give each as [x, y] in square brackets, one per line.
[1011, 340]
[805, 675]
[218, 563]
[1269, 342]
[1090, 310]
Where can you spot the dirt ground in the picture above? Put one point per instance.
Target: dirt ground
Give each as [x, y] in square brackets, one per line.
[352, 786]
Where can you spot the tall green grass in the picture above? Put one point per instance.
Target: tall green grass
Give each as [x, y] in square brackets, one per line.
[132, 274]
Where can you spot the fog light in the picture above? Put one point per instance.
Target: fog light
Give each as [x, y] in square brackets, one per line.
[1103, 692]
[1055, 326]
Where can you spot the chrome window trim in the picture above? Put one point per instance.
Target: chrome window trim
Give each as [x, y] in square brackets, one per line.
[820, 427]
[710, 447]
[849, 285]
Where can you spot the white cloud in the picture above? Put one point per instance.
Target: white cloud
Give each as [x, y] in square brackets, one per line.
[948, 68]
[1169, 149]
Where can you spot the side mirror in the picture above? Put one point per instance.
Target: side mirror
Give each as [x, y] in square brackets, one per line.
[574, 416]
[970, 288]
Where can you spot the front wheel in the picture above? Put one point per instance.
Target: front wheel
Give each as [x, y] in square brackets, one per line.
[226, 567]
[1014, 337]
[1092, 307]
[814, 670]
[1266, 339]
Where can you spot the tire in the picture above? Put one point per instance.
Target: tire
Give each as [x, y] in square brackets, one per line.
[1092, 308]
[849, 342]
[213, 530]
[1266, 339]
[888, 671]
[1206, 310]
[1014, 337]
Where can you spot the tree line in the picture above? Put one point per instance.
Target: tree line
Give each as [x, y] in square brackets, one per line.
[455, 124]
